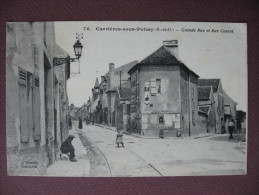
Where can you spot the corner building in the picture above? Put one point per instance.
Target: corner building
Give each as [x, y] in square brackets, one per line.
[163, 94]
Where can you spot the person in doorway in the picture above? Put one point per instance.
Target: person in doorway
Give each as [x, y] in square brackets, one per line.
[119, 138]
[231, 126]
[80, 125]
[68, 148]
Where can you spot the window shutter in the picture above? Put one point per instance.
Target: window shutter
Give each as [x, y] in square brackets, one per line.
[192, 93]
[22, 91]
[153, 90]
[163, 86]
[36, 109]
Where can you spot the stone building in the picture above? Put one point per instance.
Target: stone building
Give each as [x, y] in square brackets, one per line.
[229, 111]
[114, 78]
[164, 94]
[122, 106]
[62, 74]
[33, 113]
[206, 107]
[219, 101]
[104, 94]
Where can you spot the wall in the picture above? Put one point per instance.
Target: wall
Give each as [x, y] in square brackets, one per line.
[189, 103]
[202, 123]
[193, 97]
[118, 112]
[25, 49]
[168, 103]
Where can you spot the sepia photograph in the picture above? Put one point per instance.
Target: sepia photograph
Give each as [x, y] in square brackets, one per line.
[126, 98]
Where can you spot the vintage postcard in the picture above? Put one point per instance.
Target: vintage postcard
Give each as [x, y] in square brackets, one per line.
[126, 99]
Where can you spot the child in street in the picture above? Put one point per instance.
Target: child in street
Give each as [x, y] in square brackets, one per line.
[119, 138]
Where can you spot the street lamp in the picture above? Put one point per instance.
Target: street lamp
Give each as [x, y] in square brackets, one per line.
[78, 51]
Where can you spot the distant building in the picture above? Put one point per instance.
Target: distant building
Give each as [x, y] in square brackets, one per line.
[219, 101]
[104, 94]
[72, 111]
[164, 94]
[122, 106]
[207, 107]
[229, 111]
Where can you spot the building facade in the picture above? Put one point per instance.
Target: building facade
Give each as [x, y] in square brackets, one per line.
[33, 98]
[229, 112]
[164, 94]
[104, 94]
[219, 101]
[207, 107]
[122, 106]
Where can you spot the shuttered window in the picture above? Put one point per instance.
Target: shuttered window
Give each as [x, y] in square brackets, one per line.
[163, 86]
[158, 85]
[36, 109]
[193, 119]
[192, 93]
[22, 91]
[153, 89]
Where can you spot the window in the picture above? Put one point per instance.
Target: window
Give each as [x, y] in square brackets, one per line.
[163, 86]
[146, 87]
[22, 91]
[193, 118]
[29, 106]
[153, 87]
[192, 93]
[158, 85]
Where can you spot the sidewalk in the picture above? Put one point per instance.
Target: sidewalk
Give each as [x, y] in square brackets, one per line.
[153, 137]
[63, 167]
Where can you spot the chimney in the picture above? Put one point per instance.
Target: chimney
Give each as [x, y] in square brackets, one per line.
[111, 67]
[172, 45]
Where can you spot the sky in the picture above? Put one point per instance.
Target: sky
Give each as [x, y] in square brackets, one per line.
[211, 50]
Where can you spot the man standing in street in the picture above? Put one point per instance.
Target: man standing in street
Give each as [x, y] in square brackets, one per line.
[231, 126]
[68, 148]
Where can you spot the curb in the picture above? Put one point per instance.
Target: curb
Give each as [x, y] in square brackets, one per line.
[135, 135]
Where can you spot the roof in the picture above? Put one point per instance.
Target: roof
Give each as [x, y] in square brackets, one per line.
[162, 56]
[125, 91]
[126, 67]
[96, 85]
[228, 100]
[209, 82]
[60, 52]
[204, 109]
[204, 93]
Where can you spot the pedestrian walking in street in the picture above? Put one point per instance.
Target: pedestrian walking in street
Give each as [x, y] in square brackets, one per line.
[87, 121]
[69, 122]
[231, 126]
[119, 138]
[93, 122]
[68, 148]
[80, 125]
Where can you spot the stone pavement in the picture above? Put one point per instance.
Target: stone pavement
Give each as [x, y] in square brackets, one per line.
[64, 167]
